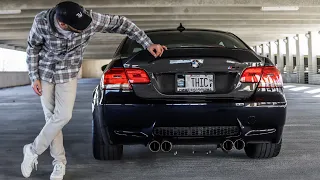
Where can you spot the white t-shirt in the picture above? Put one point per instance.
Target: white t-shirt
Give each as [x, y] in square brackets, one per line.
[64, 32]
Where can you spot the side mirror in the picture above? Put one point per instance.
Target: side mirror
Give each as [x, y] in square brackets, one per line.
[104, 67]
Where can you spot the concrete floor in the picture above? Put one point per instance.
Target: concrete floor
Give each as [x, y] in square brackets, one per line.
[22, 118]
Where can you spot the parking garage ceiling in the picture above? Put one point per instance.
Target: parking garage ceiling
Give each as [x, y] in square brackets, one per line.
[242, 17]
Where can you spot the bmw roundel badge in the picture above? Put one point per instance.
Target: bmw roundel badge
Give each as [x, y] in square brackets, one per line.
[195, 63]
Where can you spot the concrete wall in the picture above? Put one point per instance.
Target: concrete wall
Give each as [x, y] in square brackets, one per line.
[294, 78]
[11, 79]
[314, 79]
[92, 68]
[290, 78]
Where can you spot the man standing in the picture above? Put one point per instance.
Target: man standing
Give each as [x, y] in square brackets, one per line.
[56, 43]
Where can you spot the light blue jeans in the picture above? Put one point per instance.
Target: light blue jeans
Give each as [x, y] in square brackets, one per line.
[57, 101]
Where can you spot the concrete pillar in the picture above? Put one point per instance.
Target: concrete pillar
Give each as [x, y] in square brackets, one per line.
[300, 57]
[280, 54]
[265, 48]
[271, 52]
[312, 52]
[255, 49]
[263, 51]
[290, 48]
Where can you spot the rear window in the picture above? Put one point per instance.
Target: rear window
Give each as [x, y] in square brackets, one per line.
[174, 39]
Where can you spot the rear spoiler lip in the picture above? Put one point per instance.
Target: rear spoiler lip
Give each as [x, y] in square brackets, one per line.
[145, 54]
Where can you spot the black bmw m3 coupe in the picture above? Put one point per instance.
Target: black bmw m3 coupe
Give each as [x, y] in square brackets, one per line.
[209, 87]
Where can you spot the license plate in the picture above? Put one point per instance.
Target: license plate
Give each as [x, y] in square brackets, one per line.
[195, 83]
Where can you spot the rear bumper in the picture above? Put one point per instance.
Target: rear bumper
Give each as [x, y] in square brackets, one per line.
[138, 123]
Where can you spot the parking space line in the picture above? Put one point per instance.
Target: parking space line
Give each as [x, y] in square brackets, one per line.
[297, 125]
[299, 88]
[289, 86]
[313, 91]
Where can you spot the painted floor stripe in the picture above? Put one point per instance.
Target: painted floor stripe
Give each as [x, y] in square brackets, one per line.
[299, 88]
[289, 86]
[298, 125]
[313, 91]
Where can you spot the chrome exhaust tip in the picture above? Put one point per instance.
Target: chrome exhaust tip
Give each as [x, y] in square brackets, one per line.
[239, 144]
[154, 146]
[166, 146]
[227, 145]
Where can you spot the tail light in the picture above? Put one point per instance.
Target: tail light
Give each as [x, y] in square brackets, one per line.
[122, 78]
[267, 76]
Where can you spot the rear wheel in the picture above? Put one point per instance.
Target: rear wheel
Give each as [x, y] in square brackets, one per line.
[102, 151]
[263, 150]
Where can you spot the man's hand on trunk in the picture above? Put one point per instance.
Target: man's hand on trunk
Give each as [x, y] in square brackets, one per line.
[156, 50]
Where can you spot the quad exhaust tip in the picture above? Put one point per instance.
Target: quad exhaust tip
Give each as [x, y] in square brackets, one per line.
[154, 146]
[166, 146]
[227, 145]
[239, 144]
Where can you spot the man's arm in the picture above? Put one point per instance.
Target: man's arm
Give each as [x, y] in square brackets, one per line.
[122, 25]
[35, 42]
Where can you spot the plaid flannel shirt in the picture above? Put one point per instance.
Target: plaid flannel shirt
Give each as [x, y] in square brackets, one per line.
[56, 59]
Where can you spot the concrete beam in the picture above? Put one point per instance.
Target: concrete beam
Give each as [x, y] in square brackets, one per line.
[167, 22]
[228, 28]
[222, 17]
[31, 4]
[22, 35]
[30, 13]
[26, 27]
[231, 28]
[247, 17]
[106, 43]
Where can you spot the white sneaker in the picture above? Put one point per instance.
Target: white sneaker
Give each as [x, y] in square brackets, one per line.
[30, 161]
[59, 171]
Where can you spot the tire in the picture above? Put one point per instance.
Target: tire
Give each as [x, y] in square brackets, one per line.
[102, 151]
[263, 150]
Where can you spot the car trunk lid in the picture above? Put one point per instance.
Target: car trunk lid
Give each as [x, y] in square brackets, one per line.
[195, 73]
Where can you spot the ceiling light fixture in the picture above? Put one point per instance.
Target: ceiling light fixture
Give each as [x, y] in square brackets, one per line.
[307, 35]
[285, 40]
[10, 11]
[280, 8]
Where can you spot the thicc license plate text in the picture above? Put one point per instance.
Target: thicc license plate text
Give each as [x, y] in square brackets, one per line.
[197, 83]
